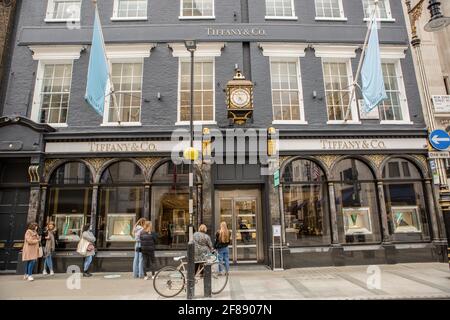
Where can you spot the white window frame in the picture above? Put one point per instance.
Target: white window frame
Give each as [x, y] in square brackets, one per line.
[293, 17]
[340, 54]
[125, 54]
[50, 55]
[287, 52]
[204, 51]
[389, 18]
[115, 16]
[341, 18]
[51, 9]
[182, 17]
[395, 55]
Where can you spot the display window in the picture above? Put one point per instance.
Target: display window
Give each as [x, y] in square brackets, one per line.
[305, 204]
[405, 201]
[356, 203]
[121, 205]
[69, 202]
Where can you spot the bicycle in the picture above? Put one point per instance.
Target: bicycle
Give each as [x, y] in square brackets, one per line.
[170, 281]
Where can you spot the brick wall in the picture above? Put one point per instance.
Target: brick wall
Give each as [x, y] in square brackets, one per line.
[6, 15]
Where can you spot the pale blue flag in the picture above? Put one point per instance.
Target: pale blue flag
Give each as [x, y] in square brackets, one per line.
[98, 74]
[373, 89]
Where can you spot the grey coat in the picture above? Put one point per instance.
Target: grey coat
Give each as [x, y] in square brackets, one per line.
[89, 236]
[203, 246]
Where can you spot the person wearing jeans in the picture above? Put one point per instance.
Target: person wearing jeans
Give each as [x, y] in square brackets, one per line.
[30, 252]
[90, 253]
[223, 237]
[49, 247]
[138, 264]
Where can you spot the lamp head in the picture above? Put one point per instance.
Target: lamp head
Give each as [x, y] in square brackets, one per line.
[191, 45]
[437, 21]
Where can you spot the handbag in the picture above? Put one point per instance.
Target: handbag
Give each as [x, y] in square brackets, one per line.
[90, 247]
[83, 246]
[41, 252]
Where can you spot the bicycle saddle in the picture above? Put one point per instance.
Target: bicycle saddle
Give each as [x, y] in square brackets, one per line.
[179, 258]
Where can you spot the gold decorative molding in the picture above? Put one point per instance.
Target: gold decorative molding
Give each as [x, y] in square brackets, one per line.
[33, 172]
[49, 165]
[148, 163]
[282, 159]
[96, 163]
[328, 159]
[422, 159]
[376, 159]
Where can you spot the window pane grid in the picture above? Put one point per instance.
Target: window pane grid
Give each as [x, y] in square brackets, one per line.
[328, 9]
[132, 8]
[55, 93]
[391, 108]
[279, 8]
[203, 91]
[382, 12]
[66, 9]
[285, 91]
[197, 8]
[337, 89]
[127, 80]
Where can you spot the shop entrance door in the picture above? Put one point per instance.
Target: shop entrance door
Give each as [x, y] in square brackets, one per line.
[240, 209]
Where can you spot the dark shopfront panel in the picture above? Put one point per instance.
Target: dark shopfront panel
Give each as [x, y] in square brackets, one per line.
[14, 199]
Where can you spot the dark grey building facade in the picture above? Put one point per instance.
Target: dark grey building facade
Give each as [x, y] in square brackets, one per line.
[350, 192]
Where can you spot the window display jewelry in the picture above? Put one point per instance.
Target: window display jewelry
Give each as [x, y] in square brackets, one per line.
[406, 220]
[119, 227]
[69, 226]
[357, 221]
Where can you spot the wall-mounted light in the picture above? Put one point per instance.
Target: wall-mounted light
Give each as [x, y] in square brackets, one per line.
[158, 95]
[314, 94]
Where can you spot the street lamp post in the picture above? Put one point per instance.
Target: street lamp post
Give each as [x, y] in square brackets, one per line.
[191, 46]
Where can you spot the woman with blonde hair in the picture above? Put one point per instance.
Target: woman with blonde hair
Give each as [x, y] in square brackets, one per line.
[138, 266]
[147, 238]
[49, 245]
[221, 245]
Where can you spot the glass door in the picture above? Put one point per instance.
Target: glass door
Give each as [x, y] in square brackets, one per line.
[241, 213]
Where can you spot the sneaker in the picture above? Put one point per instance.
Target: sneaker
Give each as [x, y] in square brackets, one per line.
[146, 278]
[25, 277]
[153, 277]
[86, 274]
[30, 278]
[52, 273]
[44, 272]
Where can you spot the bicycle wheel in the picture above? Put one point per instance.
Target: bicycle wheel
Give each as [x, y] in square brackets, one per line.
[219, 277]
[169, 282]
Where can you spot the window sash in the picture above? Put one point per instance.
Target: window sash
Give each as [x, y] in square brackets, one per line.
[204, 92]
[197, 8]
[127, 80]
[383, 10]
[337, 89]
[280, 8]
[130, 9]
[391, 109]
[329, 9]
[286, 96]
[54, 92]
[64, 9]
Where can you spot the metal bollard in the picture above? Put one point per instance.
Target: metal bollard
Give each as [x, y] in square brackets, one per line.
[191, 271]
[207, 280]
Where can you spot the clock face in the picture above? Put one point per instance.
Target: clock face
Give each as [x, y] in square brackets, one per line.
[240, 98]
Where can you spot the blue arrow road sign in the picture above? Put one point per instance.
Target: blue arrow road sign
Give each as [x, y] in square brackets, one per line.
[439, 139]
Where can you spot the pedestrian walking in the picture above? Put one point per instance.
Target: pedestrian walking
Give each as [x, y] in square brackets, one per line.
[30, 252]
[221, 244]
[138, 266]
[203, 246]
[86, 248]
[147, 238]
[49, 244]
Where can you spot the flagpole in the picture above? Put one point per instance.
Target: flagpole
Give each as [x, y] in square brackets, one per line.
[363, 53]
[111, 84]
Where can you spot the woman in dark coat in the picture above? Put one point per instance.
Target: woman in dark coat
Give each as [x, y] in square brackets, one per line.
[147, 238]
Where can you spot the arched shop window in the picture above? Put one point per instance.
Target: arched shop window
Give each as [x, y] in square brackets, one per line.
[356, 203]
[170, 205]
[305, 203]
[121, 204]
[405, 201]
[69, 201]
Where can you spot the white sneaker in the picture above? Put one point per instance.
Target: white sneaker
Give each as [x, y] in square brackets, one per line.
[25, 277]
[153, 277]
[145, 278]
[30, 278]
[52, 273]
[44, 272]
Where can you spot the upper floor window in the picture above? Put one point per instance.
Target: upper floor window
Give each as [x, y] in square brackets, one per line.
[280, 9]
[197, 9]
[130, 9]
[394, 108]
[329, 10]
[63, 10]
[53, 83]
[383, 11]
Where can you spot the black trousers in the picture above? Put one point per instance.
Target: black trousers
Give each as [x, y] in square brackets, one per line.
[149, 262]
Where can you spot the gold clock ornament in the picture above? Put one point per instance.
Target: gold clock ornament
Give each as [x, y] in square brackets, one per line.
[239, 98]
